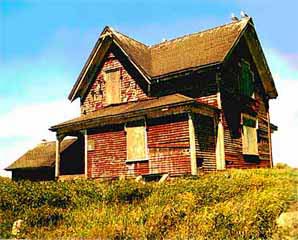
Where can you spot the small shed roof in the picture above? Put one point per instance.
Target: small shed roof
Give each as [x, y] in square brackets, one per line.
[43, 155]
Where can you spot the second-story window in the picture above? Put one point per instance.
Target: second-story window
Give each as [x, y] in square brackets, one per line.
[112, 86]
[246, 80]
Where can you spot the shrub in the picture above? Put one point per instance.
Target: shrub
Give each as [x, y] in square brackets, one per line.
[227, 205]
[282, 166]
[44, 216]
[127, 191]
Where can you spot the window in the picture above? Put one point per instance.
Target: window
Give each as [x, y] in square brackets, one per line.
[246, 80]
[136, 139]
[249, 135]
[112, 86]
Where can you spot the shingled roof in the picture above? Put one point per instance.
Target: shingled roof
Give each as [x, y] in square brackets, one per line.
[193, 50]
[43, 155]
[197, 50]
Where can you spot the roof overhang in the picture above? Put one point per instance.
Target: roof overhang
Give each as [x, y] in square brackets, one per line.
[258, 56]
[190, 105]
[261, 63]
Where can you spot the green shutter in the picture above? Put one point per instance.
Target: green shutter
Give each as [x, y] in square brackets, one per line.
[246, 85]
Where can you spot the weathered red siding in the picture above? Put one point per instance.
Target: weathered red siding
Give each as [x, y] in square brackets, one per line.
[109, 154]
[130, 90]
[210, 100]
[168, 146]
[233, 144]
[168, 143]
[233, 106]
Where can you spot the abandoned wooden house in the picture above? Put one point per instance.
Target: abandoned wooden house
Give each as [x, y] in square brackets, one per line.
[195, 103]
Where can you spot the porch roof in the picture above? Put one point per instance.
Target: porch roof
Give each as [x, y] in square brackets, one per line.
[154, 107]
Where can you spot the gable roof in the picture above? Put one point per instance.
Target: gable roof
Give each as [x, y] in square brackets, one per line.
[43, 155]
[197, 50]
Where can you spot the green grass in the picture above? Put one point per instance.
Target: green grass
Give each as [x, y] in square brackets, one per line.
[239, 204]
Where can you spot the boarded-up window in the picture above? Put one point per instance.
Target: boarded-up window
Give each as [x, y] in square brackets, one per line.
[249, 135]
[136, 140]
[112, 86]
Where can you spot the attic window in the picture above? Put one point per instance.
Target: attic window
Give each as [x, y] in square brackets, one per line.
[249, 135]
[246, 80]
[112, 86]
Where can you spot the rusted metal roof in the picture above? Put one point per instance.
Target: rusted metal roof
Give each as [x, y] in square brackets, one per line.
[43, 155]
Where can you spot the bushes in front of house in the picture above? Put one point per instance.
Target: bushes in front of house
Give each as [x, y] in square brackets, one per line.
[229, 205]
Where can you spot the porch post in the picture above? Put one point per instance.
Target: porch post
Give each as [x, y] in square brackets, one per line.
[57, 162]
[192, 142]
[220, 144]
[86, 153]
[220, 148]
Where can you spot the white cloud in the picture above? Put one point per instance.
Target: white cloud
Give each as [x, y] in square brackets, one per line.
[25, 126]
[35, 119]
[284, 110]
[284, 113]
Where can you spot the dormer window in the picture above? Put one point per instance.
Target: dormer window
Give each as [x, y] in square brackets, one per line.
[246, 80]
[112, 86]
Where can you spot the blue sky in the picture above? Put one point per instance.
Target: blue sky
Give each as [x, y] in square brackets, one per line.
[44, 44]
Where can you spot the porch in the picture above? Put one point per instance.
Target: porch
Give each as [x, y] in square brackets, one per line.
[70, 163]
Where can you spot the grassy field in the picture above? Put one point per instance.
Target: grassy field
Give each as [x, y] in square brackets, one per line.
[239, 204]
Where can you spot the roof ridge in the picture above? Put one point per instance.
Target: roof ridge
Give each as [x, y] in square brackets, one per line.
[117, 32]
[197, 33]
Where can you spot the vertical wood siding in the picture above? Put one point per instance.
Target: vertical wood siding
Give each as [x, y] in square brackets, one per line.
[96, 98]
